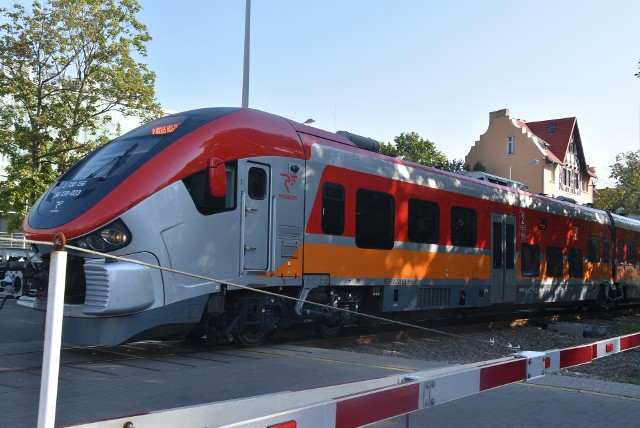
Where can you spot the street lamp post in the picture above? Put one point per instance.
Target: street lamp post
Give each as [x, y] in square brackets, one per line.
[245, 71]
[531, 162]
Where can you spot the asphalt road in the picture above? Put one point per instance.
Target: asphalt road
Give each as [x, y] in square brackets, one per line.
[19, 324]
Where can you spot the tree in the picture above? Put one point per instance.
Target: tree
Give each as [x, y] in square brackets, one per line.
[66, 65]
[626, 194]
[454, 165]
[478, 166]
[410, 146]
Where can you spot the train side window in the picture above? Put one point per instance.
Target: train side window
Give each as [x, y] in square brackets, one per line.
[606, 250]
[374, 219]
[632, 252]
[198, 187]
[530, 260]
[620, 256]
[593, 249]
[424, 221]
[332, 209]
[554, 261]
[463, 227]
[576, 265]
[510, 241]
[257, 183]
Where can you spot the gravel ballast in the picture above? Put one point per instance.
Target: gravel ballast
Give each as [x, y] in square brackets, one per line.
[480, 346]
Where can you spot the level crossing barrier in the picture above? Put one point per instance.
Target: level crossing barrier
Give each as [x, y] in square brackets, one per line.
[367, 402]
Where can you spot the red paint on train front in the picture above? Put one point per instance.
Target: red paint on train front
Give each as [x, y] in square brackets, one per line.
[227, 138]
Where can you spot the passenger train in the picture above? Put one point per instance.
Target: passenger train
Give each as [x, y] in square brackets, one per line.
[253, 199]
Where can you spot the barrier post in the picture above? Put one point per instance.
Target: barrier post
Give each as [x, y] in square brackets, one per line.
[52, 336]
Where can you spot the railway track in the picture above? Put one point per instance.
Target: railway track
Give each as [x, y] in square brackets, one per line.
[435, 329]
[135, 353]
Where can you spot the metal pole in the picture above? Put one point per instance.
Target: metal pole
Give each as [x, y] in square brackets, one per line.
[52, 338]
[245, 74]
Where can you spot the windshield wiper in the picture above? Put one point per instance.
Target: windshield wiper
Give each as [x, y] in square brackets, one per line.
[116, 162]
[120, 160]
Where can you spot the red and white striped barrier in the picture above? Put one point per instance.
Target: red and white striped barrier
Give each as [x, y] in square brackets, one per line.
[367, 402]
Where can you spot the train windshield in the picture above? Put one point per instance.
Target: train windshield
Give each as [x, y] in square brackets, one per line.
[114, 157]
[91, 179]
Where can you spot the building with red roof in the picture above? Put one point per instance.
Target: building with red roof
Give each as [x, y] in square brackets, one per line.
[547, 155]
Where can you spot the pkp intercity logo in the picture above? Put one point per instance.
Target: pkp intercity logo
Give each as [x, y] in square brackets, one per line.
[289, 180]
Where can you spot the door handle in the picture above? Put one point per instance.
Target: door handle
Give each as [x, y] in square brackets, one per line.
[248, 248]
[250, 210]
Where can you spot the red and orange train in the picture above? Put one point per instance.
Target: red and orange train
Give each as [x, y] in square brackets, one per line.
[253, 199]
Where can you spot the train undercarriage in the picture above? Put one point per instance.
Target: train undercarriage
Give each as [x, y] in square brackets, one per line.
[249, 318]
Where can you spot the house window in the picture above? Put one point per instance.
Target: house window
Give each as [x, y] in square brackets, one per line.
[511, 145]
[551, 129]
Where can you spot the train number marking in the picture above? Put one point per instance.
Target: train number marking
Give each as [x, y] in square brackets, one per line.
[523, 227]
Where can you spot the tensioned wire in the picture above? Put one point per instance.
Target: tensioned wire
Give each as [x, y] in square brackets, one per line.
[257, 290]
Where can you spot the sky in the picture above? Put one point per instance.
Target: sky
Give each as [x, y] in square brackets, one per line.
[379, 68]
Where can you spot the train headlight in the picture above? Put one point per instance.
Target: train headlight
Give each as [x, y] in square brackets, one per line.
[109, 238]
[114, 236]
[95, 243]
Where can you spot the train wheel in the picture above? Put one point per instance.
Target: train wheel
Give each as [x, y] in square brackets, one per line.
[328, 331]
[252, 337]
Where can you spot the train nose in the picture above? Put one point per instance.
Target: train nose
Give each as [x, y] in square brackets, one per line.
[117, 288]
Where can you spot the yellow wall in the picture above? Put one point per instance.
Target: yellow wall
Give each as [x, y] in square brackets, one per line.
[491, 151]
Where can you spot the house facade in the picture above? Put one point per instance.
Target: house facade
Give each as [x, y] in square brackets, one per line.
[547, 156]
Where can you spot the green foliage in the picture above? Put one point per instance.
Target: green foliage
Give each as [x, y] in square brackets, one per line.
[626, 193]
[67, 64]
[411, 147]
[454, 165]
[478, 166]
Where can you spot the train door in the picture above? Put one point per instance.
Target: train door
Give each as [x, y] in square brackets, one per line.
[503, 257]
[255, 221]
